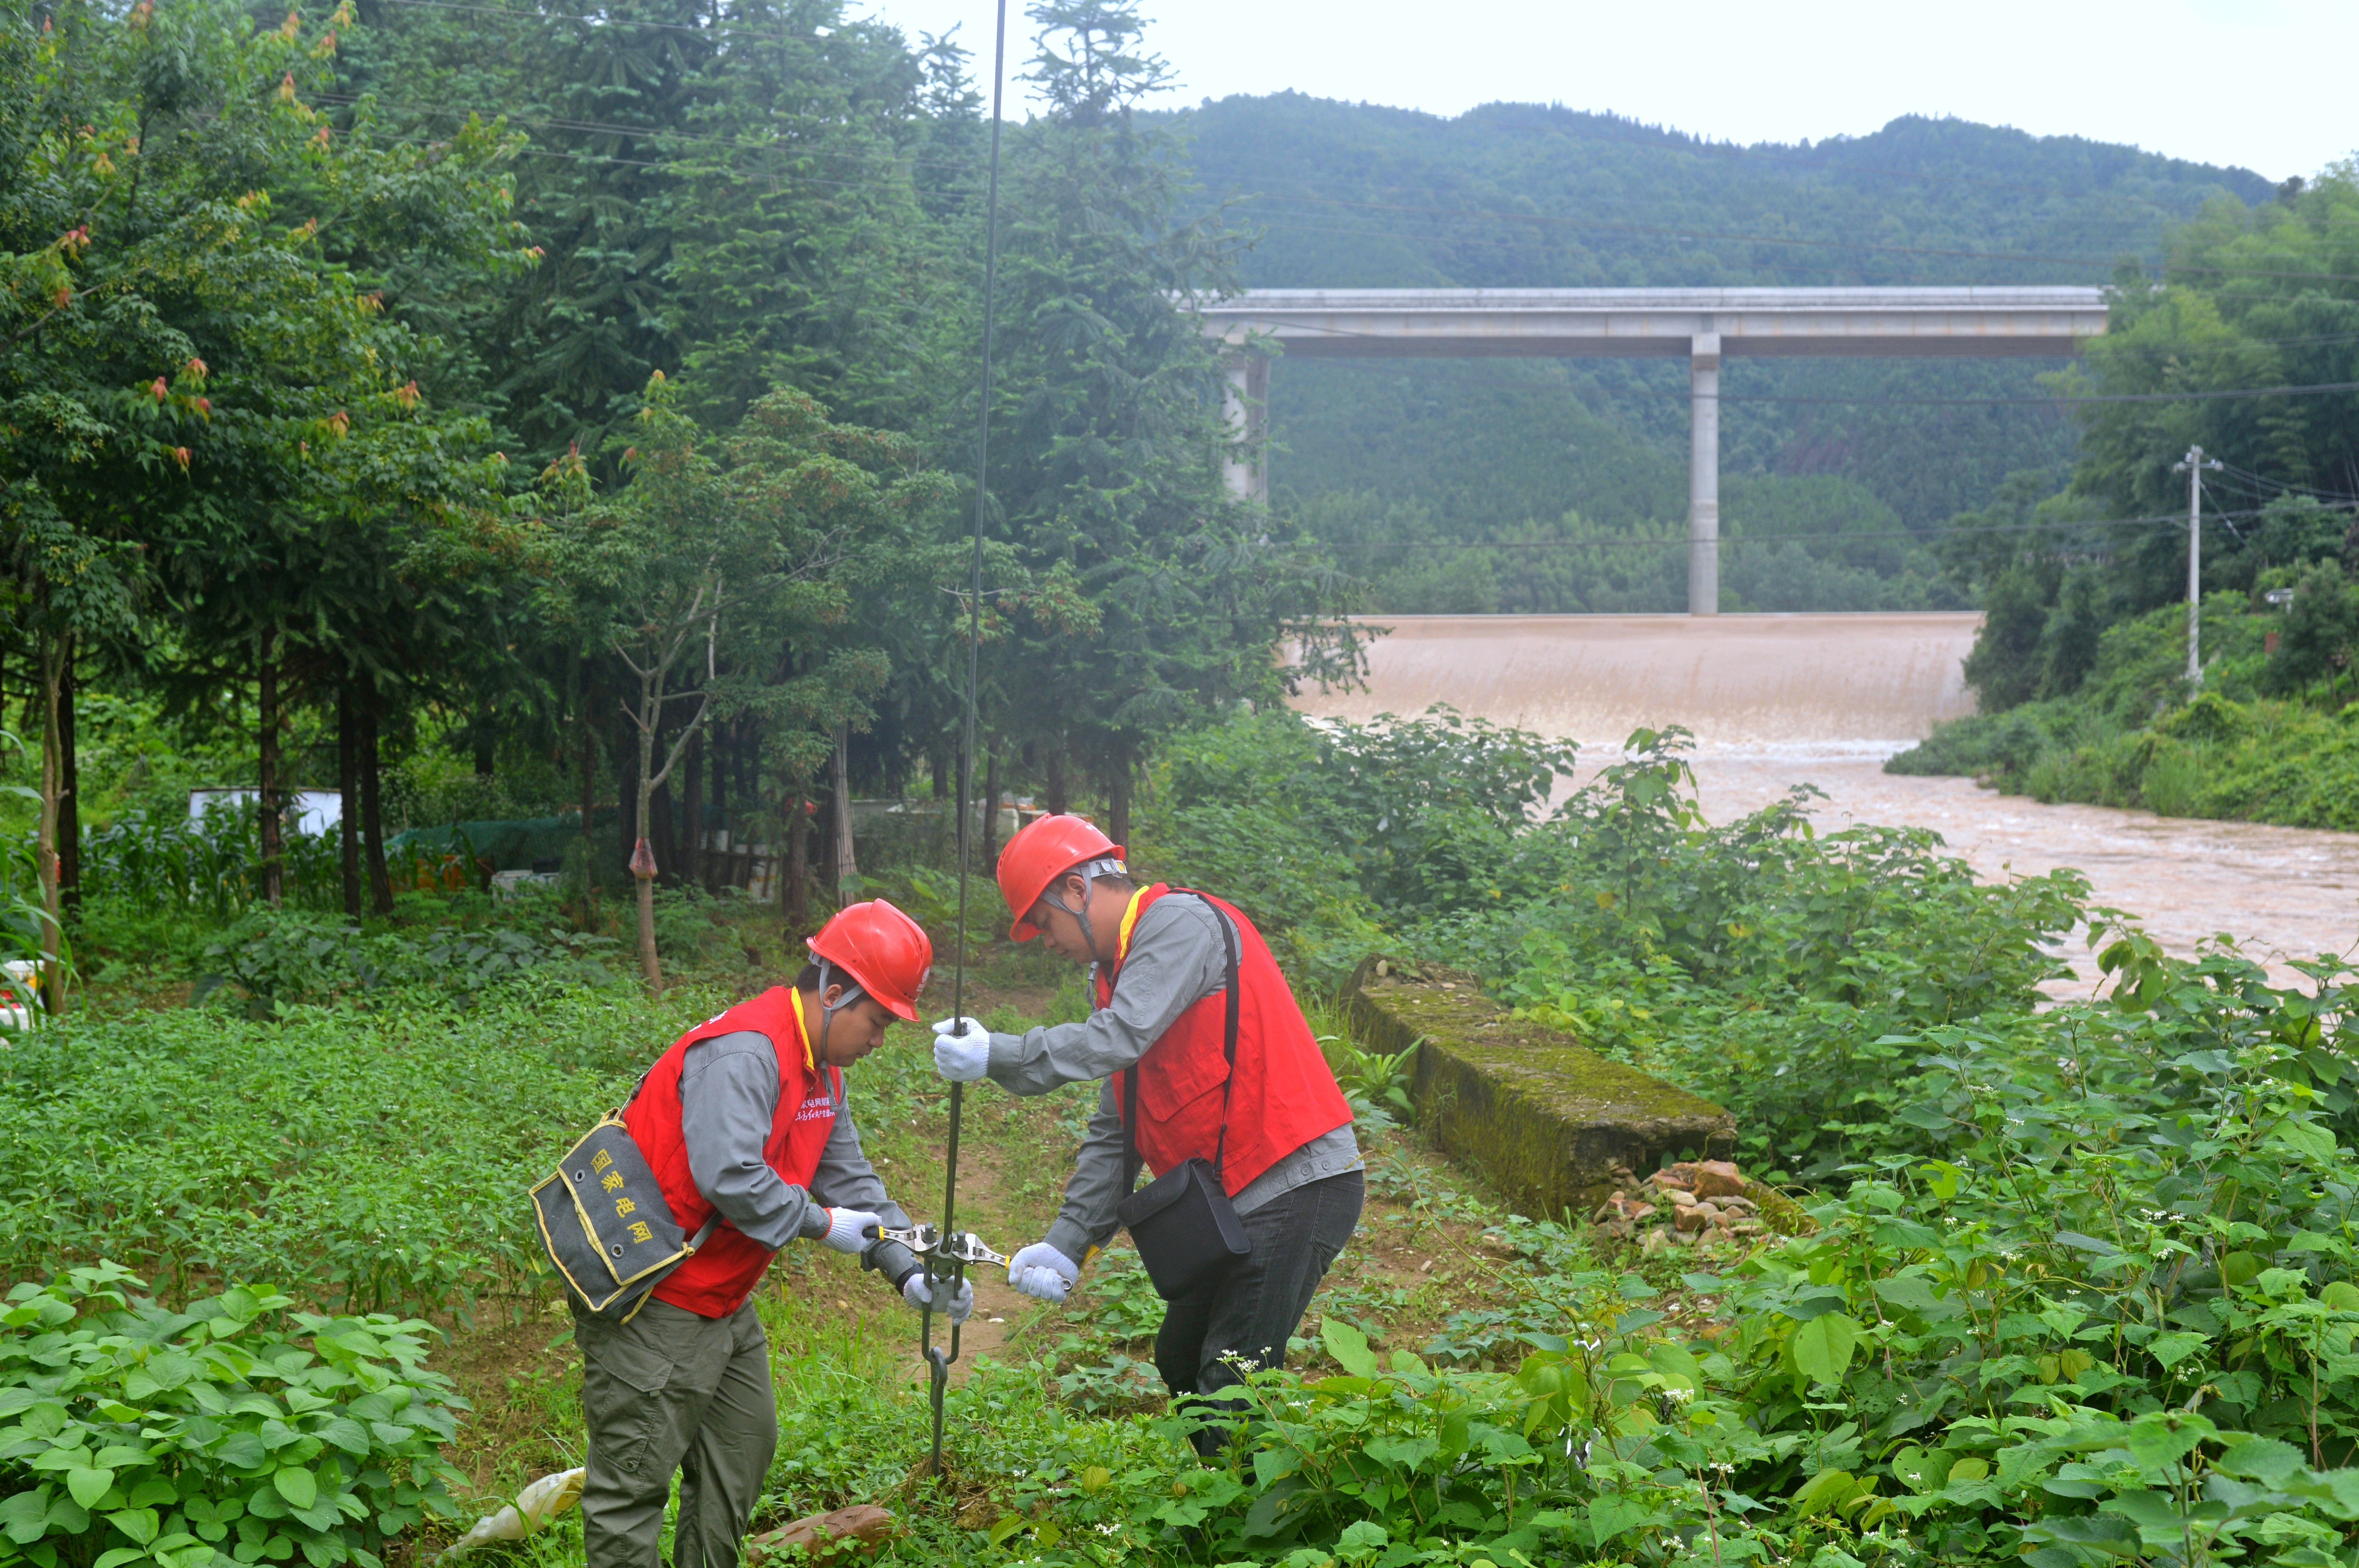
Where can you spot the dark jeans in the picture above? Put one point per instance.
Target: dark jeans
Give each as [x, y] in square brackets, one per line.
[1253, 1309]
[669, 1391]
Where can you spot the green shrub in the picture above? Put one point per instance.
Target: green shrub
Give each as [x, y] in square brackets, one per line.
[279, 957]
[231, 1433]
[378, 1157]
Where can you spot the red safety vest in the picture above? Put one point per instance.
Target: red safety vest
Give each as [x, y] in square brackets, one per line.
[1284, 1094]
[723, 1272]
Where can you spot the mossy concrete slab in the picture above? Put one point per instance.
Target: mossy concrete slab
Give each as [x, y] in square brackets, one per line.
[1541, 1115]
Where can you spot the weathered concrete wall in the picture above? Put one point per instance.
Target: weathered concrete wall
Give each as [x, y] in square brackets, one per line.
[1543, 1117]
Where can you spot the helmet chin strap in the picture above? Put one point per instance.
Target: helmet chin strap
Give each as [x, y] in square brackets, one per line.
[827, 1010]
[1089, 871]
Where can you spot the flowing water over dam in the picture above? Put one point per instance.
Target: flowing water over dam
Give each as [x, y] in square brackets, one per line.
[1776, 701]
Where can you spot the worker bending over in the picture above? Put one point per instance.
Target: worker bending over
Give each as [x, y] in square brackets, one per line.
[1288, 1162]
[745, 1116]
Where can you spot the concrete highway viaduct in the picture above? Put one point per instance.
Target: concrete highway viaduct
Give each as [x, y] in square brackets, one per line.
[1705, 325]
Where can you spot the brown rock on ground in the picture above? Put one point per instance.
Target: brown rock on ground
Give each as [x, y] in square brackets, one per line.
[1717, 1178]
[856, 1531]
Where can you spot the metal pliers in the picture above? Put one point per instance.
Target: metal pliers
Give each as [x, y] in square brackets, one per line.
[959, 1246]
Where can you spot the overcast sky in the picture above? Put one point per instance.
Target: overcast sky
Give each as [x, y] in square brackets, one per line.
[2263, 83]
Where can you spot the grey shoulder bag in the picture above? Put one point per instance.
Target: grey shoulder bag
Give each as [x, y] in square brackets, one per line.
[1187, 1232]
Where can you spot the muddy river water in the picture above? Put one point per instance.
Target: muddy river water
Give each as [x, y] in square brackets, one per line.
[2280, 892]
[1823, 699]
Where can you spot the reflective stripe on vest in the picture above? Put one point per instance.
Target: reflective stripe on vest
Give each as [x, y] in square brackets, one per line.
[724, 1270]
[1284, 1096]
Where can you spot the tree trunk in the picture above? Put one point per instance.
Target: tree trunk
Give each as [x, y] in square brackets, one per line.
[1118, 799]
[348, 807]
[484, 757]
[274, 861]
[69, 793]
[55, 652]
[589, 772]
[692, 800]
[724, 755]
[626, 797]
[796, 896]
[847, 856]
[372, 812]
[1055, 795]
[663, 838]
[643, 860]
[990, 811]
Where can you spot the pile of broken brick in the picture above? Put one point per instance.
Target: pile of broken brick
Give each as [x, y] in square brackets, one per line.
[1699, 1203]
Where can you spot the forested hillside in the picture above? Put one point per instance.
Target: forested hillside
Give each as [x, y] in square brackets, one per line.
[1524, 196]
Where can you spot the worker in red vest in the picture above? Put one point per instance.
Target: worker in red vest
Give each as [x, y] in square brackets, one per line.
[742, 1116]
[1288, 1162]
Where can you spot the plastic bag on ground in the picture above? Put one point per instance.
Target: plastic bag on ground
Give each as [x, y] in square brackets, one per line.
[528, 1515]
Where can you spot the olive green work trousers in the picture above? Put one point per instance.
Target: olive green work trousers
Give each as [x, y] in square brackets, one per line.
[672, 1392]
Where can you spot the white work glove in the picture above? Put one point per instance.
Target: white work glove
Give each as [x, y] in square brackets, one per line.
[850, 1230]
[913, 1290]
[962, 1049]
[1041, 1270]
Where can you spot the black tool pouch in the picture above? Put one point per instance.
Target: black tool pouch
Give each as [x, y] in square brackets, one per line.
[1187, 1232]
[607, 1225]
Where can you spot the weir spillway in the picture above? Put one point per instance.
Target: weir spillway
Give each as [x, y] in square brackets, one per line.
[1812, 684]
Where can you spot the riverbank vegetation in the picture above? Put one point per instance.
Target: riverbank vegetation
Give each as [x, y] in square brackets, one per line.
[2081, 667]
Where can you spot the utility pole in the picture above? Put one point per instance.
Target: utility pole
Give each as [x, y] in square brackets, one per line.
[2192, 465]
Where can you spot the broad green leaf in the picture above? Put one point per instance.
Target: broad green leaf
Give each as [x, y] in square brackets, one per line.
[242, 1451]
[2161, 1441]
[1911, 1293]
[2306, 1138]
[1824, 1490]
[1822, 1348]
[1610, 1514]
[139, 1524]
[2340, 1294]
[2171, 1349]
[344, 1433]
[1409, 1453]
[297, 1484]
[1350, 1348]
[88, 1484]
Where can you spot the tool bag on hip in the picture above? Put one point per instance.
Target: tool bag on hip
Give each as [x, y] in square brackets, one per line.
[1187, 1232]
[607, 1225]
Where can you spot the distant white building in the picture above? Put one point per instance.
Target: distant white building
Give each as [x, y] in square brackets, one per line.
[306, 810]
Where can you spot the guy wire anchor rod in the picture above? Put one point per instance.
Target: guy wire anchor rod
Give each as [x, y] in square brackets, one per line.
[963, 1247]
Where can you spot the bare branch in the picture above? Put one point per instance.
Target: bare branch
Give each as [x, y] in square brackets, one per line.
[679, 747]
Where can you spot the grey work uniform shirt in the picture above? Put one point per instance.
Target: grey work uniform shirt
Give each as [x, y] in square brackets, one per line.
[728, 1103]
[1175, 959]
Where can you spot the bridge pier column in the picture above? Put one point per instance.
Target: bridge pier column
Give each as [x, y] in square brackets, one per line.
[1704, 474]
[1243, 406]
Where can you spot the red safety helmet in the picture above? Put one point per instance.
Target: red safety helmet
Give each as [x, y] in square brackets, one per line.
[1041, 854]
[883, 950]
